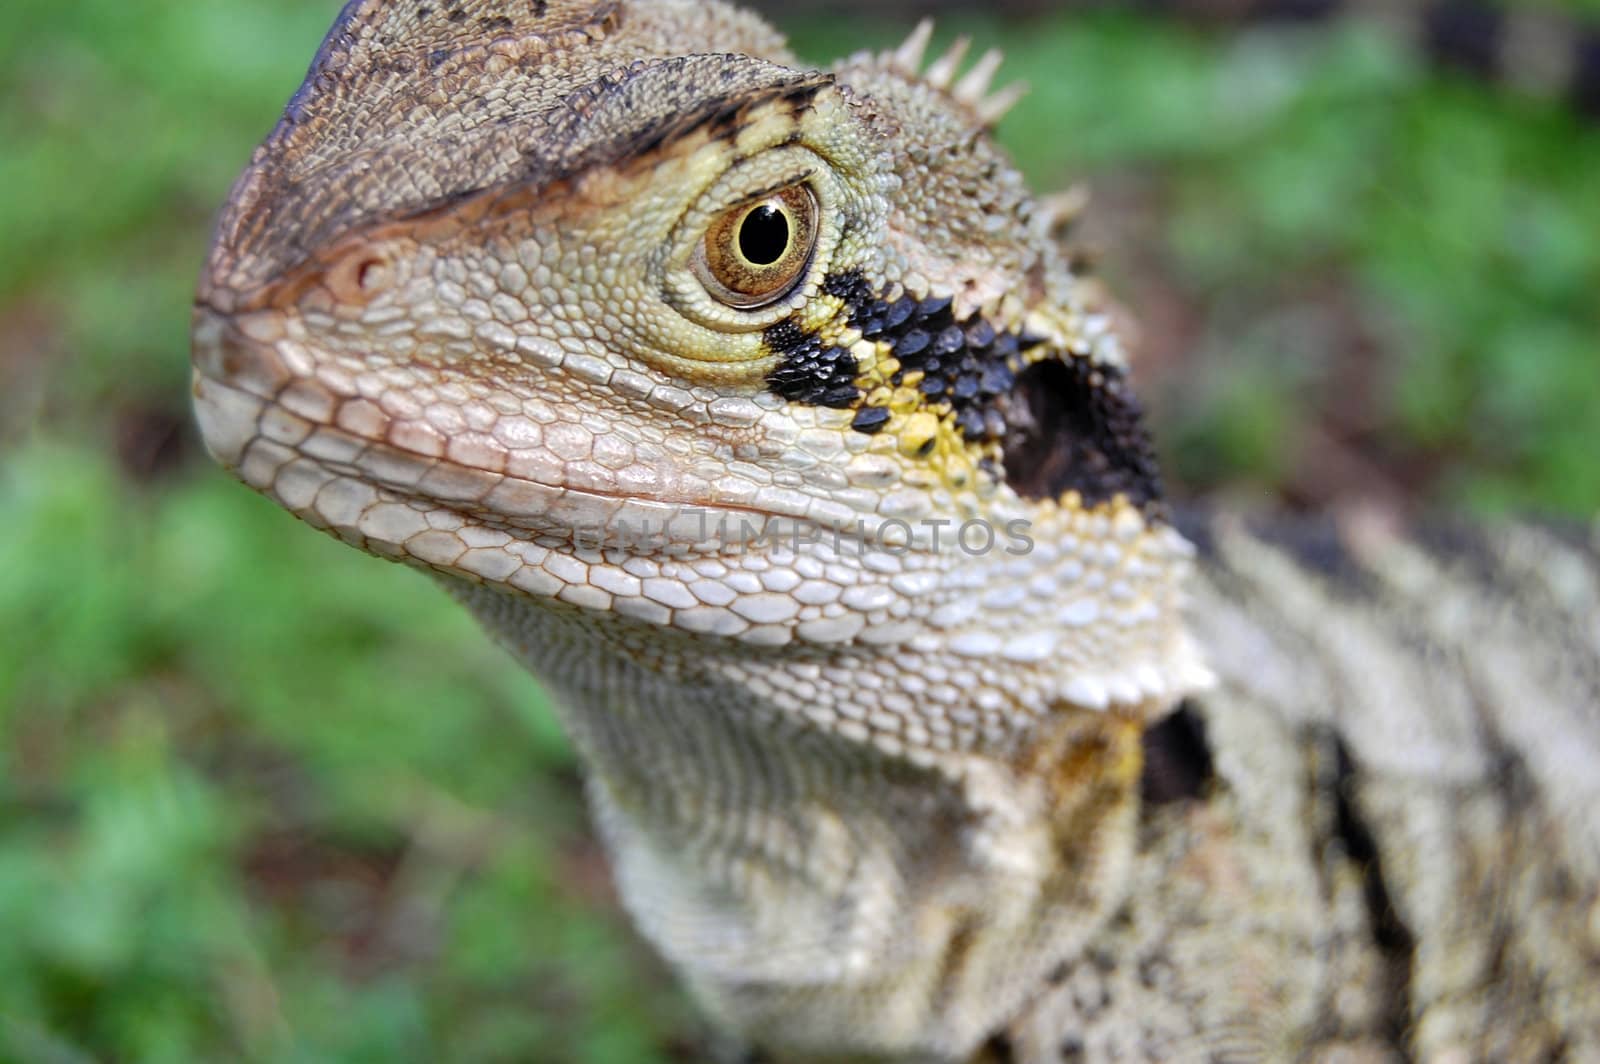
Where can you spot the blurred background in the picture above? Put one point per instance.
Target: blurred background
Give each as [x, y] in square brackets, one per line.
[263, 798]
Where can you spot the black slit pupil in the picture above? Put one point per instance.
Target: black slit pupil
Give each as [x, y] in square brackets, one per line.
[764, 236]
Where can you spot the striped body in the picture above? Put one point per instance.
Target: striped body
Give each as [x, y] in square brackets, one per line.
[1376, 839]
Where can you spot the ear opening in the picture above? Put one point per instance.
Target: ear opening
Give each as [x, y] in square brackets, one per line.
[1074, 425]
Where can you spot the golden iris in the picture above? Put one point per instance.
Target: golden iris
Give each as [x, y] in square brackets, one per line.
[756, 253]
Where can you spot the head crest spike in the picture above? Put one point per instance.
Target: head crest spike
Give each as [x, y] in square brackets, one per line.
[908, 57]
[974, 84]
[991, 110]
[944, 68]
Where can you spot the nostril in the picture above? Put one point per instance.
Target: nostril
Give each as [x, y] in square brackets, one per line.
[1075, 426]
[359, 278]
[369, 274]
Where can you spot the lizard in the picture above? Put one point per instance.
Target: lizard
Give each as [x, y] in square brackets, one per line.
[755, 408]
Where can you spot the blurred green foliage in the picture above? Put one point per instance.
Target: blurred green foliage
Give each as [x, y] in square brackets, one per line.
[264, 799]
[268, 800]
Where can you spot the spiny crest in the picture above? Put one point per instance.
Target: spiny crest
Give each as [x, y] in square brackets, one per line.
[972, 90]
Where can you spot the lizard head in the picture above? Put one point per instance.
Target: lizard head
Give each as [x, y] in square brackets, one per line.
[616, 308]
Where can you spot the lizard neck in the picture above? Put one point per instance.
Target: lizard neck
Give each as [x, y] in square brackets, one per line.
[809, 880]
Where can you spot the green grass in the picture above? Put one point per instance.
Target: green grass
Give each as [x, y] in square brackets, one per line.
[264, 799]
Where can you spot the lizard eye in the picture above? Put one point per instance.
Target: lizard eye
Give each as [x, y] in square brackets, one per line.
[756, 253]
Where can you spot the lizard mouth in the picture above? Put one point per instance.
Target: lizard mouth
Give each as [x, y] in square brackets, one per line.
[340, 460]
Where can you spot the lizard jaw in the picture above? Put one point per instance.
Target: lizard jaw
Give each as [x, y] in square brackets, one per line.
[292, 473]
[707, 565]
[345, 464]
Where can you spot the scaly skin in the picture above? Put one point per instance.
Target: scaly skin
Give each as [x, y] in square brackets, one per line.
[860, 605]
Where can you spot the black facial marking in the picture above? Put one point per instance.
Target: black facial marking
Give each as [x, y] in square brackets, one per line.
[808, 372]
[966, 364]
[911, 344]
[1073, 425]
[847, 285]
[1064, 423]
[870, 419]
[1177, 758]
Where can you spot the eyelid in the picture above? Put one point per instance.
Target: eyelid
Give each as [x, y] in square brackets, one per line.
[761, 173]
[802, 177]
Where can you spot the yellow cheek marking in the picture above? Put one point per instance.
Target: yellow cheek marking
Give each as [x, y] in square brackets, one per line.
[917, 434]
[919, 427]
